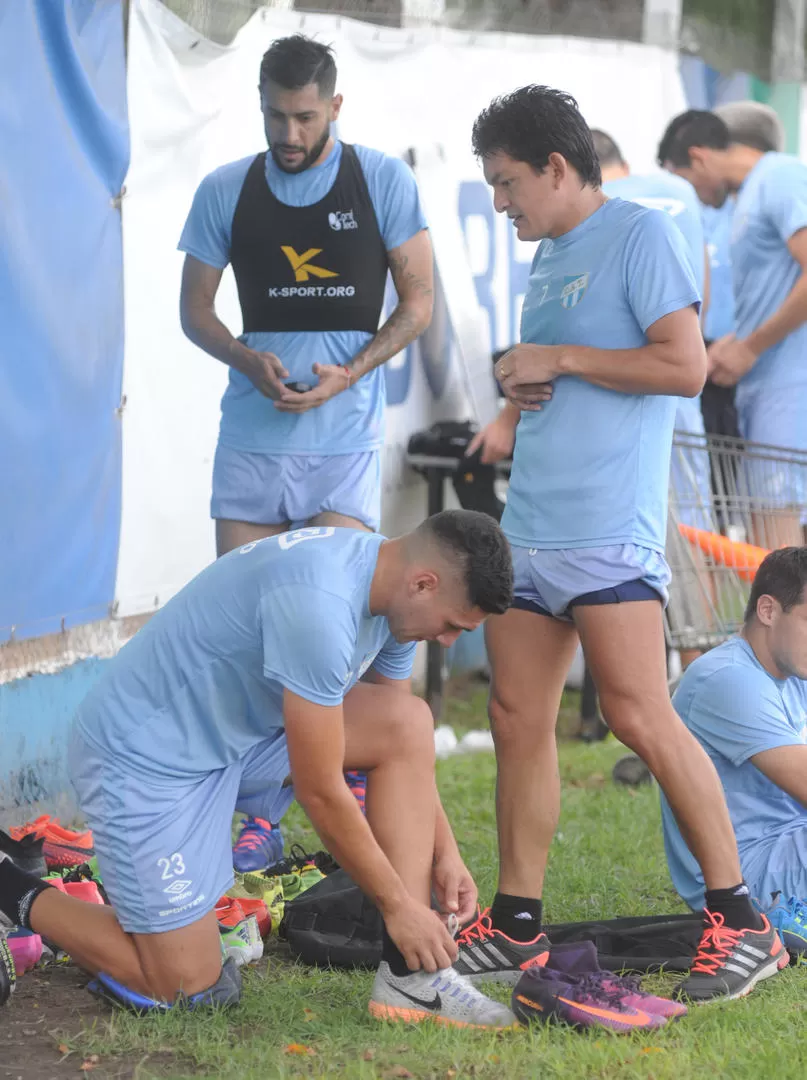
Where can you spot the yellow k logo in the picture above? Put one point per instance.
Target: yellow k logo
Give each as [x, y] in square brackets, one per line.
[302, 267]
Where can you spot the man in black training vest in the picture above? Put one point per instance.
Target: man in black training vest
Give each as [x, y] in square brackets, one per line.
[310, 228]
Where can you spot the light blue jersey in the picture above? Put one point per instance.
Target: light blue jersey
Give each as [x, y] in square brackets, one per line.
[353, 421]
[591, 468]
[771, 207]
[736, 710]
[717, 233]
[202, 683]
[676, 197]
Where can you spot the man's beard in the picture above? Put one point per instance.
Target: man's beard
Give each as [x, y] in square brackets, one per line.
[309, 158]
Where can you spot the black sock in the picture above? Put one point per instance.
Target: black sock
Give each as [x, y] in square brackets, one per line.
[517, 916]
[393, 955]
[18, 890]
[735, 906]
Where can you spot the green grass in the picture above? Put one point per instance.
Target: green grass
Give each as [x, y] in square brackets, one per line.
[608, 860]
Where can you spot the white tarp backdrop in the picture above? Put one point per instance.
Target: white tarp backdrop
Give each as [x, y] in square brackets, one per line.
[193, 105]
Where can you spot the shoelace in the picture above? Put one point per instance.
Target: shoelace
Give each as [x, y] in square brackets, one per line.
[593, 989]
[448, 982]
[479, 930]
[716, 944]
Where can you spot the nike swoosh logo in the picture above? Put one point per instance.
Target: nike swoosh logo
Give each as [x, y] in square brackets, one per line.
[434, 1005]
[634, 1019]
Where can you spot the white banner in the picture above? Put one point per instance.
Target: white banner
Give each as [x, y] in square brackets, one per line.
[193, 105]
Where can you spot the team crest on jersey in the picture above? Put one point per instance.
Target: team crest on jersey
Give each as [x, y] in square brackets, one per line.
[574, 289]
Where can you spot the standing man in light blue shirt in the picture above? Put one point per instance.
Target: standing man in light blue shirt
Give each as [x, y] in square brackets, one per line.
[766, 357]
[746, 703]
[311, 228]
[284, 661]
[610, 337]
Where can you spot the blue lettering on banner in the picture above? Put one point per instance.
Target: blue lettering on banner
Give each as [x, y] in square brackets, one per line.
[473, 201]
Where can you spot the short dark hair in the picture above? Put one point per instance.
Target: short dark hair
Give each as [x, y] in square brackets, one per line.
[533, 122]
[475, 542]
[296, 61]
[695, 127]
[607, 151]
[782, 575]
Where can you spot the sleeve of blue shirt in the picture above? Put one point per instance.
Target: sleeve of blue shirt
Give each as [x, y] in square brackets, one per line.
[207, 231]
[738, 712]
[309, 638]
[658, 269]
[784, 198]
[394, 193]
[395, 659]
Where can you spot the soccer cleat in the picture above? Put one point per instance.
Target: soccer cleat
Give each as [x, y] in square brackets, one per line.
[581, 1001]
[26, 853]
[8, 972]
[729, 963]
[26, 948]
[790, 920]
[259, 845]
[580, 958]
[224, 993]
[357, 782]
[488, 955]
[62, 847]
[253, 905]
[442, 997]
[242, 943]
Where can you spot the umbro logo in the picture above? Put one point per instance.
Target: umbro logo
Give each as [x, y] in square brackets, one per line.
[177, 887]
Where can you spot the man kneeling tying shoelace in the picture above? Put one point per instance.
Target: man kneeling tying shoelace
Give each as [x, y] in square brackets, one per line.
[291, 658]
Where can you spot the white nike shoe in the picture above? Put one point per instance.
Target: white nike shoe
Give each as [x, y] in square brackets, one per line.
[442, 996]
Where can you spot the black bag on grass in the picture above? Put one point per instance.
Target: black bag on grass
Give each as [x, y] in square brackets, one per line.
[333, 924]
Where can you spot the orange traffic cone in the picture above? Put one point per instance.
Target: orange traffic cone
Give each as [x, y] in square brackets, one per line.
[743, 558]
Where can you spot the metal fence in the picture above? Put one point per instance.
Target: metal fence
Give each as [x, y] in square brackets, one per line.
[730, 502]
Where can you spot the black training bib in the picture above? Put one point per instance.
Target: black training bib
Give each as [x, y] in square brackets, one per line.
[319, 267]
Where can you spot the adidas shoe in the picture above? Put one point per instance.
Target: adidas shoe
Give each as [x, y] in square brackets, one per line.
[26, 853]
[790, 920]
[443, 997]
[729, 963]
[488, 955]
[224, 993]
[8, 972]
[259, 845]
[581, 1001]
[242, 943]
[580, 958]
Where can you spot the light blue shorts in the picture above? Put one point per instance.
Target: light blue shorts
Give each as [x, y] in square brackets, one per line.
[273, 489]
[165, 848]
[774, 418]
[780, 865]
[552, 582]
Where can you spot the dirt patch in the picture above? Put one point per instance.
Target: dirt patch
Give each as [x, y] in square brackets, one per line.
[49, 1006]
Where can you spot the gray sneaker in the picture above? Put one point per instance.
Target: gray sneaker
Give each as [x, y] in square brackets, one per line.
[442, 996]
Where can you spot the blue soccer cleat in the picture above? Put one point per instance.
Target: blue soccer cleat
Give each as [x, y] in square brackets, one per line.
[790, 919]
[224, 994]
[259, 846]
